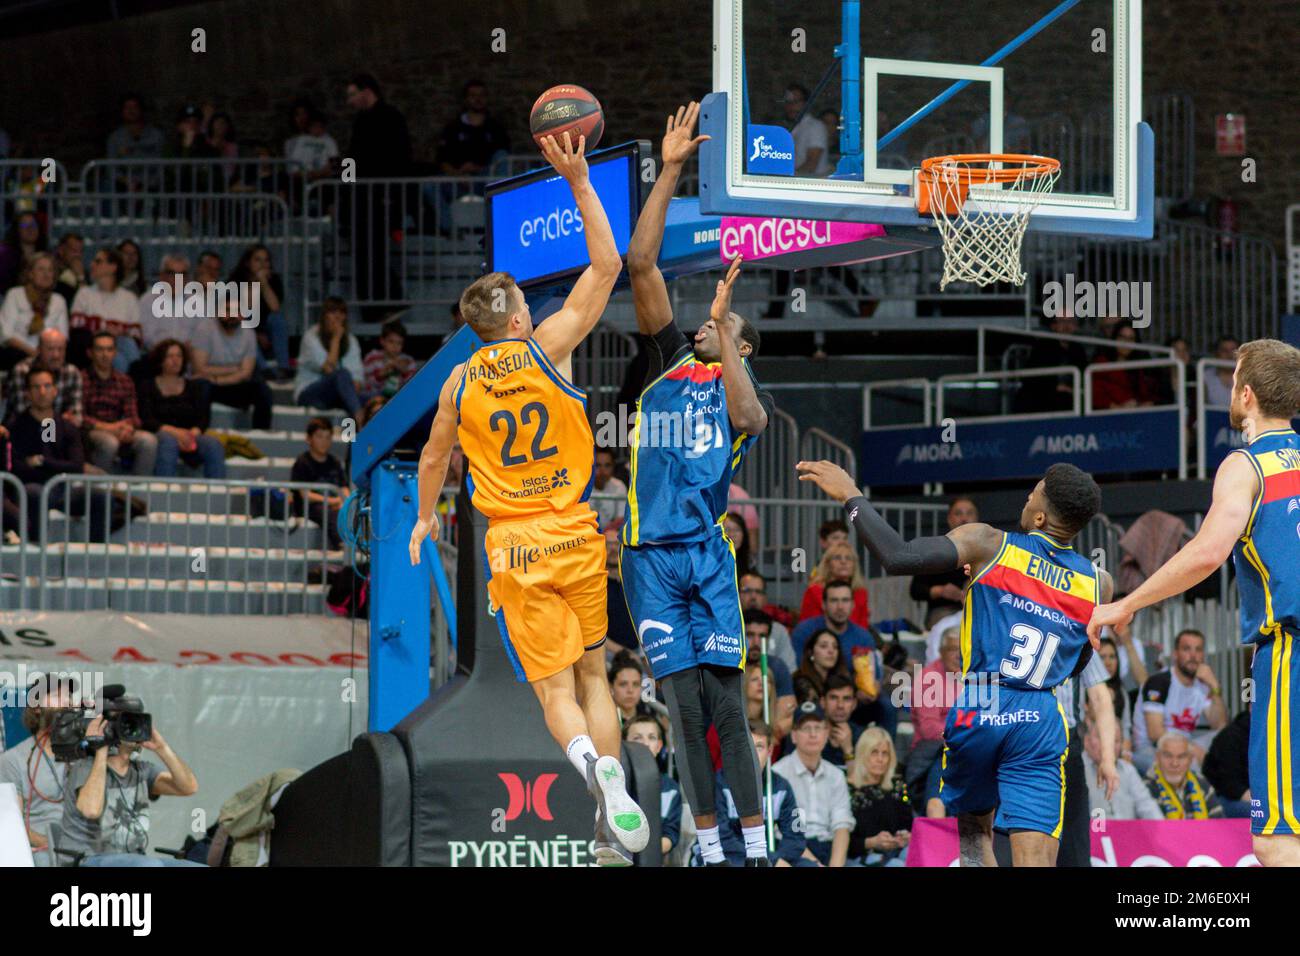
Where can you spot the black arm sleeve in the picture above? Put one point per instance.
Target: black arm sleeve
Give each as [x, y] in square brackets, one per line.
[922, 556]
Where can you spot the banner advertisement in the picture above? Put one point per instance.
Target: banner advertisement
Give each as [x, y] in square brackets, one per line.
[1139, 441]
[1121, 843]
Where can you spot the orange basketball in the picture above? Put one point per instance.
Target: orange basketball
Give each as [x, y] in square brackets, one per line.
[567, 107]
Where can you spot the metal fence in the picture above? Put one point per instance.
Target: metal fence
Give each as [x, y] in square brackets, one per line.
[818, 445]
[28, 185]
[600, 366]
[181, 545]
[262, 174]
[770, 463]
[13, 570]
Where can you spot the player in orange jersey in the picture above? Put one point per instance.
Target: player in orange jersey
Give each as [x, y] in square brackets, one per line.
[530, 454]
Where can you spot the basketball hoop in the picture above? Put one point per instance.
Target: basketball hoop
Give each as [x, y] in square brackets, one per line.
[981, 204]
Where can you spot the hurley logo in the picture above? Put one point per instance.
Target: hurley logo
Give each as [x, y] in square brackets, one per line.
[528, 797]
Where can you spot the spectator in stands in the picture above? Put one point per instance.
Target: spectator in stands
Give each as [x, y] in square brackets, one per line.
[882, 810]
[30, 309]
[112, 418]
[30, 457]
[621, 630]
[273, 329]
[52, 354]
[381, 147]
[779, 708]
[820, 789]
[224, 353]
[470, 143]
[838, 600]
[1132, 658]
[313, 147]
[174, 408]
[317, 466]
[329, 362]
[1227, 765]
[758, 626]
[647, 731]
[822, 656]
[625, 675]
[69, 267]
[1168, 378]
[220, 134]
[838, 563]
[1218, 384]
[388, 367]
[209, 267]
[188, 142]
[30, 766]
[609, 499]
[155, 328]
[739, 535]
[1124, 388]
[104, 306]
[932, 697]
[1185, 699]
[132, 267]
[839, 700]
[24, 239]
[753, 597]
[944, 593]
[1132, 800]
[736, 496]
[1109, 655]
[811, 152]
[108, 796]
[1045, 393]
[831, 533]
[300, 111]
[1180, 792]
[134, 139]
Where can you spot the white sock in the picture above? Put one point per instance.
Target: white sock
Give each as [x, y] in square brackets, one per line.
[710, 844]
[755, 842]
[579, 751]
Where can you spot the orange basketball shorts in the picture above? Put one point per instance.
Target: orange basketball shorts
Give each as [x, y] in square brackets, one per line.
[547, 581]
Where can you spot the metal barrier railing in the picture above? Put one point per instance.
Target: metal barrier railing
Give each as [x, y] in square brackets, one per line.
[983, 333]
[872, 390]
[221, 557]
[998, 381]
[15, 494]
[1204, 368]
[600, 364]
[770, 463]
[818, 445]
[1178, 377]
[264, 174]
[28, 185]
[1099, 539]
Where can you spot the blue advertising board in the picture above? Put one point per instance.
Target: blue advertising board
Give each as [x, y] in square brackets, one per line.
[770, 151]
[988, 451]
[536, 229]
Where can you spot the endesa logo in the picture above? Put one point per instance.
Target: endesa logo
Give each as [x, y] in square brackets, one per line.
[557, 224]
[771, 151]
[528, 797]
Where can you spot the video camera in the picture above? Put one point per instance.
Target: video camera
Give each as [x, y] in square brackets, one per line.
[125, 722]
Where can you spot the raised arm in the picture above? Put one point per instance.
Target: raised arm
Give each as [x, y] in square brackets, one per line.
[1235, 487]
[561, 333]
[433, 465]
[649, 291]
[744, 410]
[973, 545]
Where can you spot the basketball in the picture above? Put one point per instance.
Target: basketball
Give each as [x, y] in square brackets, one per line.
[570, 108]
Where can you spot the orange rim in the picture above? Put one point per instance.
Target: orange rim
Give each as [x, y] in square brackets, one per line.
[1024, 165]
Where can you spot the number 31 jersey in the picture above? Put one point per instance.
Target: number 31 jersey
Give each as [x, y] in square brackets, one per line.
[1026, 614]
[524, 430]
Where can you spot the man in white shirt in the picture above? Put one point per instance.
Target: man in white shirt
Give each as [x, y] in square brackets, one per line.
[1218, 381]
[609, 498]
[316, 149]
[820, 788]
[811, 155]
[1131, 800]
[1185, 699]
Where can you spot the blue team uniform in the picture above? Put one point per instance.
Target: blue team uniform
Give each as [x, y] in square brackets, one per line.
[1024, 631]
[1268, 581]
[677, 565]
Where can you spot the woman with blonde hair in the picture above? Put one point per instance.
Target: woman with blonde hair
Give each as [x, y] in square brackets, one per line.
[28, 310]
[779, 718]
[882, 812]
[838, 563]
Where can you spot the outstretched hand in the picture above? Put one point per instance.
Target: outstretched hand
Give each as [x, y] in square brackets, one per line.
[830, 478]
[1114, 615]
[720, 311]
[678, 144]
[569, 160]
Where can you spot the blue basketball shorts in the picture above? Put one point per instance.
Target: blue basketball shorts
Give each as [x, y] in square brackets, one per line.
[1274, 740]
[1006, 748]
[685, 604]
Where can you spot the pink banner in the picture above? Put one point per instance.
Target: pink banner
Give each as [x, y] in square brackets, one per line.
[1122, 843]
[764, 238]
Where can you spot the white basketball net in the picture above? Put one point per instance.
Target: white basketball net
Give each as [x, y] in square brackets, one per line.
[981, 241]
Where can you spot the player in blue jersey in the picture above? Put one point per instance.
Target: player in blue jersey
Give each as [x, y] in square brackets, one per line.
[1023, 633]
[1255, 517]
[699, 412]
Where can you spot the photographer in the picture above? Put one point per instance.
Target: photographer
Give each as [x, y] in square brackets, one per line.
[106, 800]
[31, 766]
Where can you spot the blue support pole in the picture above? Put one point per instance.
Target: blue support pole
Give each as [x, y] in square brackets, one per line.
[850, 53]
[993, 60]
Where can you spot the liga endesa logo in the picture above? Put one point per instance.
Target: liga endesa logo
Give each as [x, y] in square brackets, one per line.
[528, 796]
